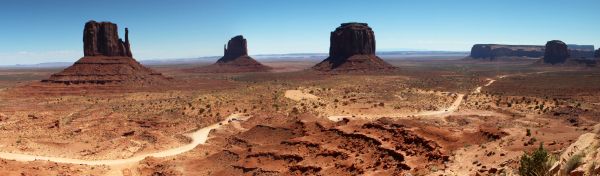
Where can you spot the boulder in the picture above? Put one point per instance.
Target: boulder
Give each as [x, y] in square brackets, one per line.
[352, 47]
[102, 39]
[556, 52]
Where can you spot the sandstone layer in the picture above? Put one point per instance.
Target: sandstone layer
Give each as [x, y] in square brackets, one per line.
[556, 52]
[352, 48]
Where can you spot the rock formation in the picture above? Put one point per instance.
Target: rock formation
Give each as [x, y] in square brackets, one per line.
[495, 51]
[107, 59]
[235, 59]
[102, 39]
[581, 51]
[236, 47]
[597, 53]
[556, 52]
[352, 48]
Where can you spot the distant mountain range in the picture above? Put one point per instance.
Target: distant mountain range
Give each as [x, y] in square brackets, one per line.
[269, 57]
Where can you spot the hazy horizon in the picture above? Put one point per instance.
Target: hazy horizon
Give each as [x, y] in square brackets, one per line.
[191, 29]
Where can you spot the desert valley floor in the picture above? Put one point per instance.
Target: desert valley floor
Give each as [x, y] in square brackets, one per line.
[443, 117]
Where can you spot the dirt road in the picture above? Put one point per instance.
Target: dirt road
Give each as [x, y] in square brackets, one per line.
[198, 137]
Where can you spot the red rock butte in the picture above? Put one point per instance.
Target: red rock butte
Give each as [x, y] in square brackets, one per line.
[235, 59]
[352, 48]
[107, 59]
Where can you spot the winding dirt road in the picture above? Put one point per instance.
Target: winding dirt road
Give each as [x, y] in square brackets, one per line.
[442, 112]
[198, 137]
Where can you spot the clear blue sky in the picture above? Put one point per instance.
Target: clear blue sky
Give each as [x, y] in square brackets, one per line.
[34, 31]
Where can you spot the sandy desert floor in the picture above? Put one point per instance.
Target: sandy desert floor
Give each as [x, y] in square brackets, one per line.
[444, 117]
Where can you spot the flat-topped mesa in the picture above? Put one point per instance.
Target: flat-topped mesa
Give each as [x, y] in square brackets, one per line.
[352, 39]
[556, 52]
[107, 59]
[236, 47]
[494, 51]
[102, 39]
[581, 51]
[352, 47]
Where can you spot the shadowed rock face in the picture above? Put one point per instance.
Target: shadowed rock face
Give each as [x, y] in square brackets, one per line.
[352, 47]
[556, 52]
[597, 54]
[352, 39]
[493, 51]
[102, 39]
[236, 47]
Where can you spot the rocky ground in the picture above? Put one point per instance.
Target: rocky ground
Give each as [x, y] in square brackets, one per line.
[289, 131]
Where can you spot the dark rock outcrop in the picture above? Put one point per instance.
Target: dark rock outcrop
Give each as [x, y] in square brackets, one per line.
[556, 52]
[102, 39]
[494, 51]
[107, 59]
[235, 59]
[352, 47]
[236, 47]
[597, 53]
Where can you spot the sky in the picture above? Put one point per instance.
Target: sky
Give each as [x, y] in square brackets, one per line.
[38, 31]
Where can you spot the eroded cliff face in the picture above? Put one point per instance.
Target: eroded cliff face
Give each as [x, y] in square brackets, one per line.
[102, 39]
[556, 52]
[597, 53]
[494, 51]
[352, 47]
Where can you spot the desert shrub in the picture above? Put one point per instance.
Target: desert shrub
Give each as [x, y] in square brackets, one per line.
[572, 163]
[536, 163]
[592, 169]
[528, 132]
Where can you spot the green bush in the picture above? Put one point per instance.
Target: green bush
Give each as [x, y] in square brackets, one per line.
[573, 163]
[536, 163]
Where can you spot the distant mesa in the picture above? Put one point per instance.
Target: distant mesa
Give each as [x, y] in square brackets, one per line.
[107, 59]
[352, 48]
[556, 52]
[496, 51]
[235, 59]
[580, 53]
